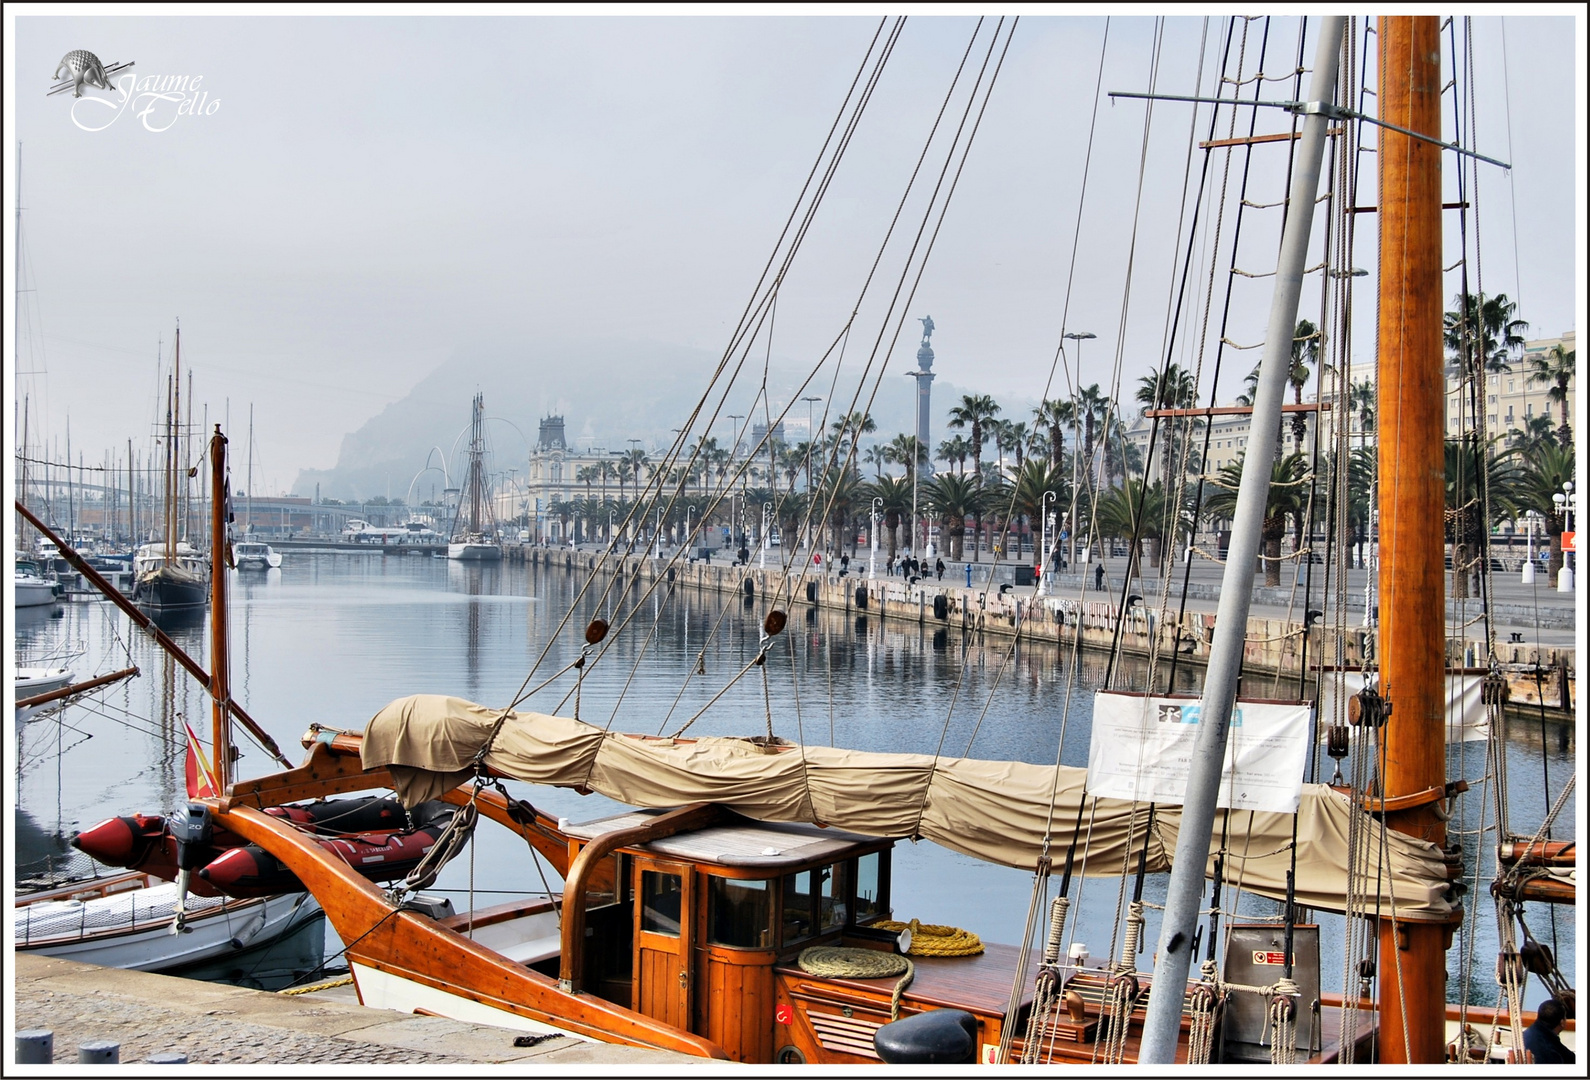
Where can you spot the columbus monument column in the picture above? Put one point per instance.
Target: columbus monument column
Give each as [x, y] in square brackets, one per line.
[924, 393]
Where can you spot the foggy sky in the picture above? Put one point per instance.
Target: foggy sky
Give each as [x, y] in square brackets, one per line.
[370, 196]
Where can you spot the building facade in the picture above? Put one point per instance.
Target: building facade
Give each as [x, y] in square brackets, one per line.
[1512, 398]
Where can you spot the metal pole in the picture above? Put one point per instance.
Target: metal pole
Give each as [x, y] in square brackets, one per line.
[1183, 901]
[872, 559]
[220, 679]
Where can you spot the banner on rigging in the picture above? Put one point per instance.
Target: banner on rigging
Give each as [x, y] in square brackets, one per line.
[1142, 748]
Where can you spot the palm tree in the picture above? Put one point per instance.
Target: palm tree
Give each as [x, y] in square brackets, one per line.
[839, 493]
[1305, 351]
[975, 411]
[1250, 388]
[895, 491]
[1174, 388]
[1466, 525]
[1017, 437]
[1052, 417]
[1132, 511]
[1361, 399]
[1092, 406]
[955, 452]
[636, 457]
[954, 498]
[877, 456]
[1287, 498]
[902, 449]
[1542, 476]
[1537, 431]
[1556, 366]
[848, 429]
[1026, 496]
[1500, 335]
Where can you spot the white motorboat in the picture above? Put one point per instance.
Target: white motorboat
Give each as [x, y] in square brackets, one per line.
[474, 548]
[125, 922]
[253, 555]
[32, 681]
[34, 587]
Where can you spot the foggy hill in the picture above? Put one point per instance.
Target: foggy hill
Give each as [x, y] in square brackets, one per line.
[608, 392]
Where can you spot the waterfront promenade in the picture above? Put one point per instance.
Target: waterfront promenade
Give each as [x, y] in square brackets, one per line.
[213, 1023]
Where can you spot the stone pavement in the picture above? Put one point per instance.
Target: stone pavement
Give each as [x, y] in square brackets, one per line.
[214, 1023]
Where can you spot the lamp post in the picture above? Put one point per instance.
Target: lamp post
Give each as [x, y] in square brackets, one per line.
[767, 517]
[872, 559]
[1564, 504]
[811, 441]
[1529, 547]
[1043, 556]
[689, 509]
[1079, 338]
[657, 536]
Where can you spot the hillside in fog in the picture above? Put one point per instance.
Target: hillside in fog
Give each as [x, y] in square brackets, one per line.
[608, 392]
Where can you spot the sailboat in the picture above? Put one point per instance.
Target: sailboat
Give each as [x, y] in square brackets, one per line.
[142, 920]
[690, 922]
[476, 539]
[170, 575]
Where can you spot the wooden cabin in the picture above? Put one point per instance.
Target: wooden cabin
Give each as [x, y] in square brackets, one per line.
[703, 930]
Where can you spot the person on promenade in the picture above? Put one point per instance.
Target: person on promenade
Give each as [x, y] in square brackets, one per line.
[1542, 1038]
[940, 568]
[1098, 578]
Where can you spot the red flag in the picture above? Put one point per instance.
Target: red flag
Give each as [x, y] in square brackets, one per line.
[201, 781]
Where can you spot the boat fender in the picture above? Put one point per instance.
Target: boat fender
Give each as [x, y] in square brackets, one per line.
[121, 841]
[935, 1037]
[861, 598]
[248, 931]
[811, 592]
[941, 606]
[750, 587]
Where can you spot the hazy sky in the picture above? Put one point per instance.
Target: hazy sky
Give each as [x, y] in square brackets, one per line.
[362, 197]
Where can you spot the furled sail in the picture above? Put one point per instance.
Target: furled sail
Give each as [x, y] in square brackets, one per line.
[992, 810]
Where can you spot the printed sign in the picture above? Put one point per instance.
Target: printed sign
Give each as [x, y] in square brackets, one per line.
[784, 1014]
[1141, 749]
[1262, 957]
[1570, 542]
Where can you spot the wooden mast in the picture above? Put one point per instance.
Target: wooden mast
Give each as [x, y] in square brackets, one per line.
[1412, 961]
[220, 689]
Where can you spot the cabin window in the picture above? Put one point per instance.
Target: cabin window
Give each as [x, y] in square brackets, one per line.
[739, 913]
[869, 886]
[798, 923]
[831, 893]
[659, 902]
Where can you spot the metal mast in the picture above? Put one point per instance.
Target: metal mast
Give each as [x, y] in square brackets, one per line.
[1184, 898]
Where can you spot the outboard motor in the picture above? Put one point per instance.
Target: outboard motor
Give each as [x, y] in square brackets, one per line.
[191, 829]
[935, 1037]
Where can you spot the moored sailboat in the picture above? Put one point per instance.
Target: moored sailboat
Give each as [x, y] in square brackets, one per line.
[475, 539]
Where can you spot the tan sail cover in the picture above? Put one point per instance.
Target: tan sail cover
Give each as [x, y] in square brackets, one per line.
[993, 810]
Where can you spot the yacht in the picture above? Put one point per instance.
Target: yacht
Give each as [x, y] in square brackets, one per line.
[253, 555]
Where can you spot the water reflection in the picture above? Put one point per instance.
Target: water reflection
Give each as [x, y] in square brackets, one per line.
[337, 637]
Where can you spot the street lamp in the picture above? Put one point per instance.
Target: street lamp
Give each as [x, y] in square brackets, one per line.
[767, 517]
[1529, 547]
[1564, 504]
[1079, 338]
[811, 440]
[1043, 556]
[872, 559]
[689, 510]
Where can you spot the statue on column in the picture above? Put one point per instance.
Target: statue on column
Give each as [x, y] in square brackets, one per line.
[927, 328]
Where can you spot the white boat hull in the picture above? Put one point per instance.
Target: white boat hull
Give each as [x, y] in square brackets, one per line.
[385, 990]
[474, 551]
[34, 592]
[132, 929]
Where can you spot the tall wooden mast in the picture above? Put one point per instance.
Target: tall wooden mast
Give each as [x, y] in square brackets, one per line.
[1412, 964]
[220, 688]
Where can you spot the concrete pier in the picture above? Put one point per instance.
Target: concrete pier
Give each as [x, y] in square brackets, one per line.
[213, 1023]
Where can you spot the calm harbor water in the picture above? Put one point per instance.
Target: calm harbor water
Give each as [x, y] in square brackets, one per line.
[330, 639]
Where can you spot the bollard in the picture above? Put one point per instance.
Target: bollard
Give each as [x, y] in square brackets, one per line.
[99, 1052]
[35, 1047]
[168, 1057]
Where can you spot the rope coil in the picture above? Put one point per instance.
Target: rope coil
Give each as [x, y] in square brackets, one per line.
[839, 962]
[929, 939]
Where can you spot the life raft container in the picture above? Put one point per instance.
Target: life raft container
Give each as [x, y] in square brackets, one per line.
[250, 870]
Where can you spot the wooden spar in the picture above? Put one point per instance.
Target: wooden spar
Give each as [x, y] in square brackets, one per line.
[1234, 410]
[220, 690]
[111, 593]
[1412, 646]
[1376, 209]
[1250, 140]
[76, 688]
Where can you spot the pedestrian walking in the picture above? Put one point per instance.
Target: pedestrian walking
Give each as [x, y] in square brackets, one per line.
[1098, 578]
[940, 569]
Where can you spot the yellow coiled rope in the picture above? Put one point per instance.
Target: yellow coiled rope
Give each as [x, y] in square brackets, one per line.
[294, 991]
[928, 939]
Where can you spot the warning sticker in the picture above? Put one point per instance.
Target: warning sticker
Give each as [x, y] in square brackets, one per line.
[1262, 957]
